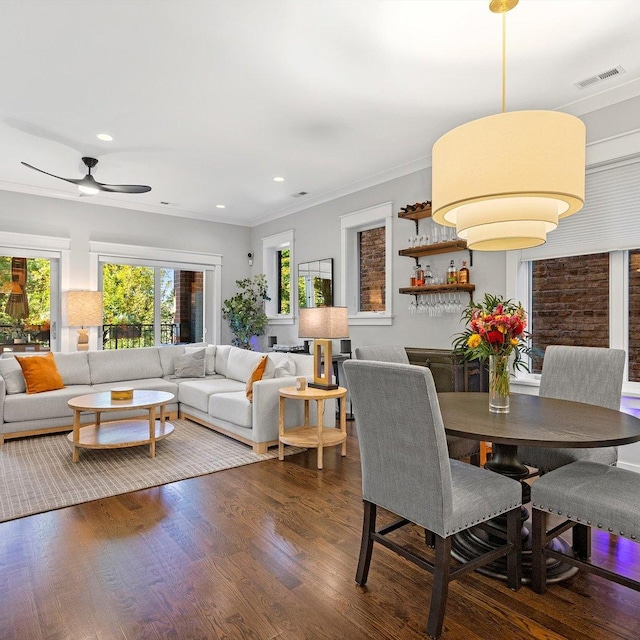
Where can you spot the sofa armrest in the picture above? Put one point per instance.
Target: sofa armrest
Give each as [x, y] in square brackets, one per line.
[266, 408]
[3, 395]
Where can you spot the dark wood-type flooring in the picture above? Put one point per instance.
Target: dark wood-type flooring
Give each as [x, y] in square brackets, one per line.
[266, 551]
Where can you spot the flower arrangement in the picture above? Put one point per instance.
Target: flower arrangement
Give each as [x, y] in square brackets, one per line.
[495, 330]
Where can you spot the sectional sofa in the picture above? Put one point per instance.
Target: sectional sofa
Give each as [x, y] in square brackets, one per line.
[216, 396]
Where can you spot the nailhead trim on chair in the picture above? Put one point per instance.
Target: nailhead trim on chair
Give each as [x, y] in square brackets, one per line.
[568, 515]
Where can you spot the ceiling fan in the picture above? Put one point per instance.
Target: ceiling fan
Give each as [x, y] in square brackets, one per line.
[90, 186]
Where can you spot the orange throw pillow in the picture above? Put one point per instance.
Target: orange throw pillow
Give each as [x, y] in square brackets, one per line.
[40, 373]
[256, 375]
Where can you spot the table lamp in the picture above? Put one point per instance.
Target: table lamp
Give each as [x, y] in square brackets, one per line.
[323, 324]
[84, 309]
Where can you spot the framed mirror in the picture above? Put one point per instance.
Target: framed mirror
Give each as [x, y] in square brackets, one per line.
[315, 284]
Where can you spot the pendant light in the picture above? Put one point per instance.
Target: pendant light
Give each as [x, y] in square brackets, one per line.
[504, 181]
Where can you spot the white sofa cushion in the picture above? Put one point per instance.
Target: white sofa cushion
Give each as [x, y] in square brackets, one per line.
[73, 367]
[124, 364]
[231, 407]
[303, 362]
[168, 354]
[209, 359]
[195, 393]
[286, 367]
[11, 371]
[42, 406]
[242, 363]
[222, 358]
[190, 365]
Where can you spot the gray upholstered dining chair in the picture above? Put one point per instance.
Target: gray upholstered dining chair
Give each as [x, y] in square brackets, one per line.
[406, 469]
[591, 375]
[458, 447]
[580, 492]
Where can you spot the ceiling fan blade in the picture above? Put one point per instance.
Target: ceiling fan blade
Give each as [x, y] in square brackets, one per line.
[72, 180]
[89, 182]
[123, 188]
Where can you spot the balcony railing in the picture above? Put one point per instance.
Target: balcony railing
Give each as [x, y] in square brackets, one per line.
[129, 336]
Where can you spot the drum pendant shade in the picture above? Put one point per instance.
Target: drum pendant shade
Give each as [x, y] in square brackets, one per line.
[505, 180]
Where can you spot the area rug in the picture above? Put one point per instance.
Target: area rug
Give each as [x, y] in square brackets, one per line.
[37, 473]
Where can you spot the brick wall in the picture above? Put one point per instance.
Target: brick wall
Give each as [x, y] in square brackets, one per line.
[187, 284]
[372, 269]
[570, 302]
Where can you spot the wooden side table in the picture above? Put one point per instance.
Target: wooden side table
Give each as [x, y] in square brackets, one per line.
[313, 436]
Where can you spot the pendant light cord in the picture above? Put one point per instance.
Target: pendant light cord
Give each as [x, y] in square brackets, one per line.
[504, 62]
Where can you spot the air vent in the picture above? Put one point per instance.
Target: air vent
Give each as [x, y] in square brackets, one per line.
[605, 75]
[299, 194]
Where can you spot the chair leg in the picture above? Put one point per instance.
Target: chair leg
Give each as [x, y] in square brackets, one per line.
[514, 557]
[440, 590]
[366, 543]
[582, 541]
[538, 559]
[429, 538]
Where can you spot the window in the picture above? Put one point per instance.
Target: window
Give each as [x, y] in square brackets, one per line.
[25, 303]
[154, 296]
[367, 261]
[371, 265]
[283, 257]
[277, 261]
[146, 306]
[569, 303]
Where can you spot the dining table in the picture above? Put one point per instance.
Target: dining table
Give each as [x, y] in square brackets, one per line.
[534, 421]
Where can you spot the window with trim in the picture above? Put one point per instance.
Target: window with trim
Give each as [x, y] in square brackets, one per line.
[583, 286]
[277, 261]
[283, 258]
[366, 240]
[569, 303]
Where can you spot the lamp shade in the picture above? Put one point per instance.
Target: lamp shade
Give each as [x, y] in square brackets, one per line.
[324, 322]
[504, 181]
[84, 308]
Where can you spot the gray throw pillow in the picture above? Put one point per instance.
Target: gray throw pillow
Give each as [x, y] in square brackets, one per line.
[11, 371]
[190, 365]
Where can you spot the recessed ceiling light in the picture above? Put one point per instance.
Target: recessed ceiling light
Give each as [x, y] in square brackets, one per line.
[278, 179]
[105, 137]
[221, 206]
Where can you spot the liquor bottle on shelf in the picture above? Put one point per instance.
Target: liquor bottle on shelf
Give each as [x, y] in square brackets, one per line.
[414, 277]
[419, 276]
[463, 274]
[428, 275]
[452, 274]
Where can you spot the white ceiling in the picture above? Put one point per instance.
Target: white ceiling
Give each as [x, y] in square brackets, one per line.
[208, 101]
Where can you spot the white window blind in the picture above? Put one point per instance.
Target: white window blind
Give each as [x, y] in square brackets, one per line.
[609, 220]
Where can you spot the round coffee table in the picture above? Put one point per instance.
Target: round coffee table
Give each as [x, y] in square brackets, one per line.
[123, 433]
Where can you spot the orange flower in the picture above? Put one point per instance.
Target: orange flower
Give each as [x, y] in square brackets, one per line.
[474, 340]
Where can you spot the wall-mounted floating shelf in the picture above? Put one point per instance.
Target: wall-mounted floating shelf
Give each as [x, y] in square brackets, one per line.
[438, 288]
[432, 249]
[418, 214]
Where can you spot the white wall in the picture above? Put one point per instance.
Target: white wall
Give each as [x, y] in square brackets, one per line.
[317, 236]
[82, 222]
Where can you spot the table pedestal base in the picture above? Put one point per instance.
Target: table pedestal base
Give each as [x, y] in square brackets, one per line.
[473, 542]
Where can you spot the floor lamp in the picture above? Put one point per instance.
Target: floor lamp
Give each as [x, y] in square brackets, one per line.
[323, 324]
[84, 309]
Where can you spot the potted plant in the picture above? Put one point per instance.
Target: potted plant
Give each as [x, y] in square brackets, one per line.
[245, 311]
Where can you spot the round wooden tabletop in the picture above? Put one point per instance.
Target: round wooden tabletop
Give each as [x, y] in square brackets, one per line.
[311, 393]
[142, 398]
[535, 421]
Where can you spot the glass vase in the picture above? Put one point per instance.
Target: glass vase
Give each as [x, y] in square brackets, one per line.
[499, 384]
